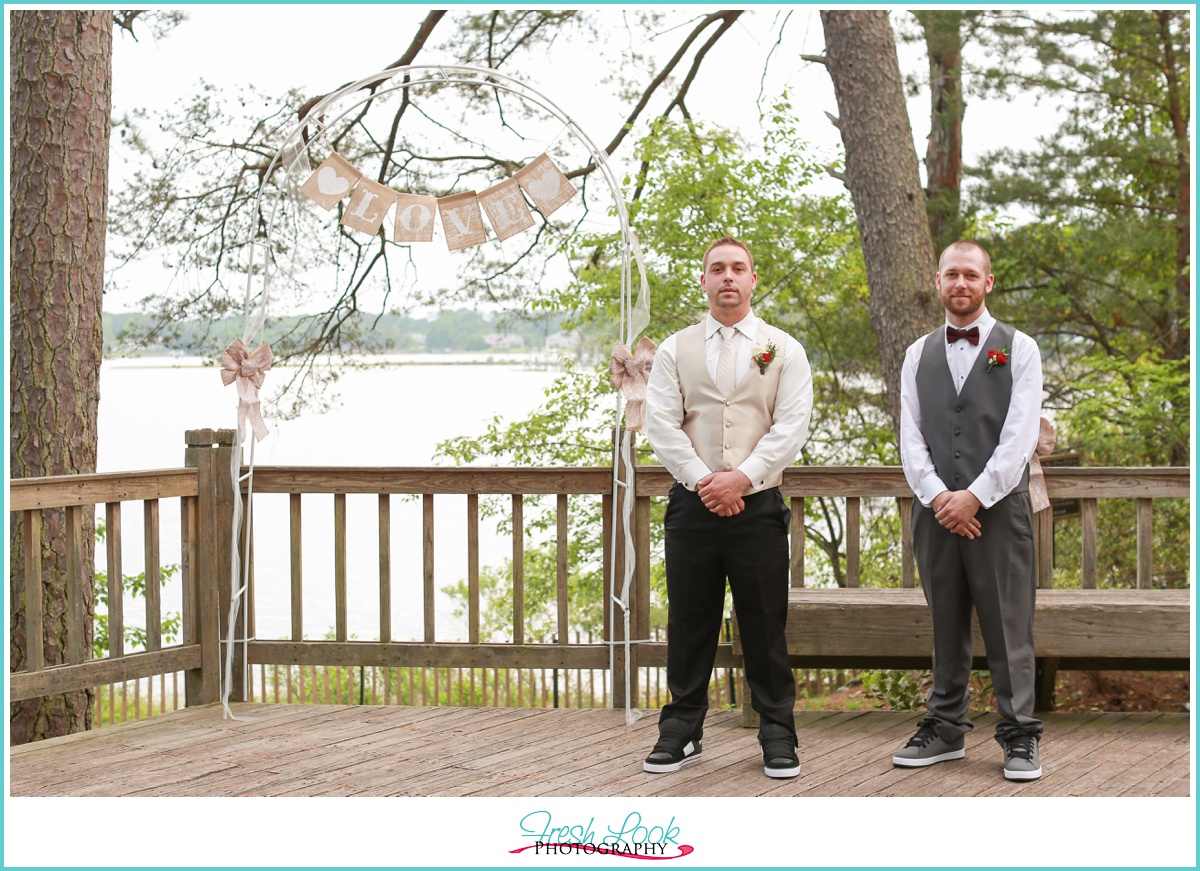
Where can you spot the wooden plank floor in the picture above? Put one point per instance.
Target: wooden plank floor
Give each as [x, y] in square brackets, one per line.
[332, 750]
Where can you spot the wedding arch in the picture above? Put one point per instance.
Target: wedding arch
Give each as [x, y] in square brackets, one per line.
[247, 368]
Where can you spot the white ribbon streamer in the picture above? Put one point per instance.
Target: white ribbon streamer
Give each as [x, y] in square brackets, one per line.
[632, 714]
[238, 588]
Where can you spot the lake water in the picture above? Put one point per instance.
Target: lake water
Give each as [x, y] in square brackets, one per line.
[388, 415]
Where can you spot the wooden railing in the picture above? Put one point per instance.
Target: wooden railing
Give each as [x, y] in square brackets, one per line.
[74, 495]
[205, 492]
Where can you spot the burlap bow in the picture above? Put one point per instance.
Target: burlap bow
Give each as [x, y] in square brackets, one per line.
[630, 372]
[248, 370]
[1037, 481]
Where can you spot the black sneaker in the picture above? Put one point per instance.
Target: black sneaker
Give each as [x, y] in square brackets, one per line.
[779, 752]
[675, 748]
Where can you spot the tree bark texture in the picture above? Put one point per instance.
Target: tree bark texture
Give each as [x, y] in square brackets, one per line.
[1179, 338]
[943, 151]
[885, 185]
[60, 119]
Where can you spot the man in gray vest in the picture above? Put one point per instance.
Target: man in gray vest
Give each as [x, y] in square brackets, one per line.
[728, 401]
[970, 397]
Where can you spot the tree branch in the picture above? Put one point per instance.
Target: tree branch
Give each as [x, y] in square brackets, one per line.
[414, 48]
[728, 16]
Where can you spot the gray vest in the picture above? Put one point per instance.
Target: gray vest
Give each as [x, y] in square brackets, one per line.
[963, 429]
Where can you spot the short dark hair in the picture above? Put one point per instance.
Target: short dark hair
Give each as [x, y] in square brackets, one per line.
[726, 240]
[969, 243]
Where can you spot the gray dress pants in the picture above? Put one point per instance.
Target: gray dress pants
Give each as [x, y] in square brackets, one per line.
[994, 574]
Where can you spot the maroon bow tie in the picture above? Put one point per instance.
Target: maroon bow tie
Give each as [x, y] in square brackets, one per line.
[953, 334]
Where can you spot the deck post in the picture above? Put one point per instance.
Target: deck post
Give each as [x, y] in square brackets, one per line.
[1046, 668]
[1043, 537]
[1045, 682]
[210, 453]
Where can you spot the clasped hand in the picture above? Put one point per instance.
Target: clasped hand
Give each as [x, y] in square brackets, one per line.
[721, 492]
[955, 510]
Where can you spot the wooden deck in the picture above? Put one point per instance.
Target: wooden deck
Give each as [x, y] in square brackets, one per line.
[310, 750]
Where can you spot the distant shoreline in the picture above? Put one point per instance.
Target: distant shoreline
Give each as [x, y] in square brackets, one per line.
[459, 358]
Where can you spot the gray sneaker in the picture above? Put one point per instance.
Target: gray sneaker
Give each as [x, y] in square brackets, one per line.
[926, 748]
[1021, 759]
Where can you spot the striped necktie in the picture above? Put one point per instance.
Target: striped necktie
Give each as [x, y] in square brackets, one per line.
[725, 382]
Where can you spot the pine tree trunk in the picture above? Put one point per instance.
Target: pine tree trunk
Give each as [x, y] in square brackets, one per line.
[60, 106]
[943, 153]
[884, 182]
[1178, 341]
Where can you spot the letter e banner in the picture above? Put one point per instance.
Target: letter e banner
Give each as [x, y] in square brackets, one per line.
[506, 209]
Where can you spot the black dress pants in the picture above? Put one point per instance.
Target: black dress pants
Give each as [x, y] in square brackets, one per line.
[702, 551]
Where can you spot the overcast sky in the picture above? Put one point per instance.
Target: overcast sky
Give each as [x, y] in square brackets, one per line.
[317, 48]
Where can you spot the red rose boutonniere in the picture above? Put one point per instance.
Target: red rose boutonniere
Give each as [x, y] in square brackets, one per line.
[763, 355]
[997, 357]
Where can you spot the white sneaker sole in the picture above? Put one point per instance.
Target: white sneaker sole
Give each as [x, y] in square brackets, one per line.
[1022, 775]
[781, 772]
[668, 767]
[907, 762]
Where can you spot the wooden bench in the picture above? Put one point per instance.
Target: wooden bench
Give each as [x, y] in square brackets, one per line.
[864, 628]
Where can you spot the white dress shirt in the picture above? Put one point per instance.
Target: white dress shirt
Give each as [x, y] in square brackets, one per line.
[774, 451]
[1018, 436]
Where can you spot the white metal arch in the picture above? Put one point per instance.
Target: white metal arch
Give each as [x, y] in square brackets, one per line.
[634, 312]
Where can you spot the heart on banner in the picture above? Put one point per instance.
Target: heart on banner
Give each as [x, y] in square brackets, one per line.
[544, 188]
[545, 184]
[330, 182]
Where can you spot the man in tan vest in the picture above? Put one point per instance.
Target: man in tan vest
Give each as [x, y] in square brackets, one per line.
[729, 402]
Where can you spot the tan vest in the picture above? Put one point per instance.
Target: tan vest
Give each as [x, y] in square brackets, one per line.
[723, 431]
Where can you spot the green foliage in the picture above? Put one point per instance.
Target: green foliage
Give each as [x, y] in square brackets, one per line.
[906, 690]
[569, 429]
[134, 585]
[1116, 546]
[430, 686]
[1101, 274]
[898, 690]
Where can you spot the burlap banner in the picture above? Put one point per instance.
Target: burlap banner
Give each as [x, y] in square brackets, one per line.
[368, 204]
[332, 180]
[462, 215]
